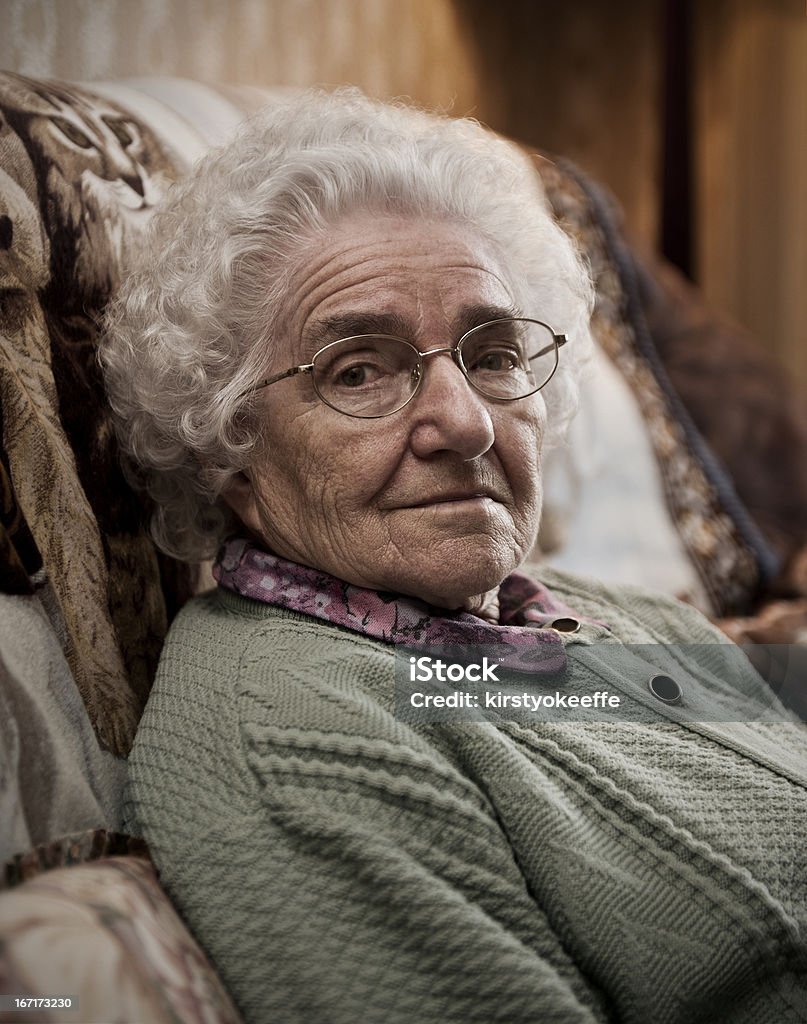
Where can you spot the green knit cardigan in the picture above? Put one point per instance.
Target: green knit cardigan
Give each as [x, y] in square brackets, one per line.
[340, 865]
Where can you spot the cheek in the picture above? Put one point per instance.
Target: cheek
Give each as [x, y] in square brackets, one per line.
[522, 445]
[330, 472]
[360, 467]
[280, 475]
[522, 462]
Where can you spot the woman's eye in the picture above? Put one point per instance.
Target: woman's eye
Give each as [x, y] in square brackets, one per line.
[353, 376]
[357, 375]
[496, 361]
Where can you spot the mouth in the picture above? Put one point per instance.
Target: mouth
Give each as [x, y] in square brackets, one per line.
[453, 498]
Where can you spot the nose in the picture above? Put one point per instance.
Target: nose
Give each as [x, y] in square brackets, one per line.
[448, 415]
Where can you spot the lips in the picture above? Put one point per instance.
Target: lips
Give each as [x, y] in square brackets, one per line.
[442, 495]
[452, 496]
[455, 484]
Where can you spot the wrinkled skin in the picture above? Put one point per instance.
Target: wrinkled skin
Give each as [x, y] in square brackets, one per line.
[439, 500]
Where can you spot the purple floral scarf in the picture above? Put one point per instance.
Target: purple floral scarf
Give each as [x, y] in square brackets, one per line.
[245, 569]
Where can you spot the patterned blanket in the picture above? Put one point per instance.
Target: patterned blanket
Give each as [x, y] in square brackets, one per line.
[79, 178]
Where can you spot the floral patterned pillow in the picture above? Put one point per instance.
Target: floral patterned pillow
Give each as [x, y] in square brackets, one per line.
[105, 934]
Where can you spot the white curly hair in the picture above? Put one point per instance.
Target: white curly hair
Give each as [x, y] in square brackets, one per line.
[191, 331]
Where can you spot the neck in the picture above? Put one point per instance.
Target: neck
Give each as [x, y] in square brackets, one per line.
[485, 606]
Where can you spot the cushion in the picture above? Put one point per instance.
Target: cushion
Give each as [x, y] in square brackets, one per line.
[105, 934]
[54, 777]
[731, 557]
[605, 509]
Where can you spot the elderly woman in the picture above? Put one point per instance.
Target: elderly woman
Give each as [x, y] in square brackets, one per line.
[355, 330]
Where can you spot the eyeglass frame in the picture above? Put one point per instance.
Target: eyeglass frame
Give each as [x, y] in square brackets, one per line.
[558, 341]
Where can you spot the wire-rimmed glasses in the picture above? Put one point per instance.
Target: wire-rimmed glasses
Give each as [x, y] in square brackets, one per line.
[373, 375]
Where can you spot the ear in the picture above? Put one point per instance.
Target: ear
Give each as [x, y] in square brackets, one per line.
[240, 496]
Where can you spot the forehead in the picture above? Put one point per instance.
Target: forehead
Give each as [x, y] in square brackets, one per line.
[425, 276]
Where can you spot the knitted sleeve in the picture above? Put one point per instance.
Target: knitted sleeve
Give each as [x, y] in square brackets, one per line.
[335, 866]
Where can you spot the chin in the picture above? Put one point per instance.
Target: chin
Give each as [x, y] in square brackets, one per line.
[457, 588]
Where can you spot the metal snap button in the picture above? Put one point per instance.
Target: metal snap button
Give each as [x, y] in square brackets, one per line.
[665, 689]
[565, 624]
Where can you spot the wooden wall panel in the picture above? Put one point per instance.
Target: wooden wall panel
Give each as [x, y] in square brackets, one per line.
[388, 47]
[582, 79]
[751, 168]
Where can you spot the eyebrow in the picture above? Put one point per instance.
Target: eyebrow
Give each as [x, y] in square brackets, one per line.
[347, 325]
[475, 316]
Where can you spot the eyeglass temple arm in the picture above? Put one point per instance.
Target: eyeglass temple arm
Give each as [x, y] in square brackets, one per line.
[559, 340]
[307, 368]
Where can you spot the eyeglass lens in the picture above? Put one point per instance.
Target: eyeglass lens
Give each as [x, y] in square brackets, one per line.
[375, 375]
